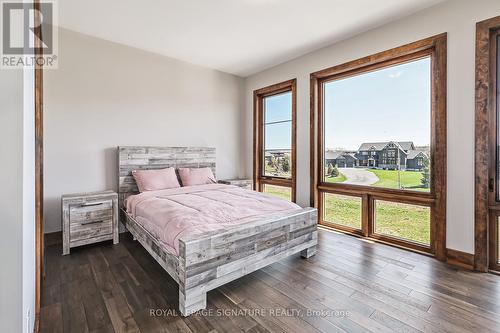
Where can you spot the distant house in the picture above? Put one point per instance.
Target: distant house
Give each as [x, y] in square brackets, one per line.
[389, 155]
[341, 159]
[384, 155]
[416, 159]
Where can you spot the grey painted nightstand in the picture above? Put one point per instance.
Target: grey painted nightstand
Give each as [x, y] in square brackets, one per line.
[89, 218]
[244, 183]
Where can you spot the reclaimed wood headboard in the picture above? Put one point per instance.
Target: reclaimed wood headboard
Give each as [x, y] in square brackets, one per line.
[142, 157]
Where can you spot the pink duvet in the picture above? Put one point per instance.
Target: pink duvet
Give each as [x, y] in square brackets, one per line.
[170, 214]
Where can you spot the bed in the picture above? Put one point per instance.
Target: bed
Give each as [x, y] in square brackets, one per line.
[221, 241]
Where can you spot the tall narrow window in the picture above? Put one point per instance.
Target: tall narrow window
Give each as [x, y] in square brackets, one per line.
[274, 140]
[379, 145]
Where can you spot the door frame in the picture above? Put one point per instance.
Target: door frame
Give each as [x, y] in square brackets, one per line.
[485, 114]
[39, 241]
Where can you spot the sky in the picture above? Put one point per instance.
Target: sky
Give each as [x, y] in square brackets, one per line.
[391, 104]
[278, 120]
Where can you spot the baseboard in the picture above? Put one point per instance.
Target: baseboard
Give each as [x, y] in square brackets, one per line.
[460, 259]
[53, 238]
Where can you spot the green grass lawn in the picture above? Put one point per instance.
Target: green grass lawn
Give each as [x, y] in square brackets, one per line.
[394, 219]
[410, 180]
[403, 221]
[278, 191]
[343, 210]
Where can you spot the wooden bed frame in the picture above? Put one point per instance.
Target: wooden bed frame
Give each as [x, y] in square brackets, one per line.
[210, 260]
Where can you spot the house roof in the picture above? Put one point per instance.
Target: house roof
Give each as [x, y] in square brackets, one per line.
[336, 154]
[404, 145]
[353, 155]
[414, 153]
[333, 155]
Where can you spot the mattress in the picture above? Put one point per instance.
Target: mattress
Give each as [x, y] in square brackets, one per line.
[168, 215]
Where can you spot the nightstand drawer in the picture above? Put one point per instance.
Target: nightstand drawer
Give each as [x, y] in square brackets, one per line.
[89, 212]
[90, 229]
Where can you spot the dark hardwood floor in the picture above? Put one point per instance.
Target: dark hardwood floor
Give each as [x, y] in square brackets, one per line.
[351, 285]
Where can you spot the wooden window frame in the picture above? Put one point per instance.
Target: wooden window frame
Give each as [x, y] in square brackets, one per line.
[344, 228]
[259, 179]
[436, 48]
[487, 206]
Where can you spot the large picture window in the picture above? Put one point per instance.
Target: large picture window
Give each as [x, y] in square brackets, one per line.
[274, 140]
[378, 146]
[377, 127]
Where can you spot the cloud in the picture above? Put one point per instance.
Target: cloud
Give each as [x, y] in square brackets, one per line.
[396, 75]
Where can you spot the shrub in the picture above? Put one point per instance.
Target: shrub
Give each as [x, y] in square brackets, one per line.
[426, 176]
[335, 172]
[330, 169]
[286, 164]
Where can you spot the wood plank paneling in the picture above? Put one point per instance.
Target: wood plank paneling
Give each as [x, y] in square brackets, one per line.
[147, 158]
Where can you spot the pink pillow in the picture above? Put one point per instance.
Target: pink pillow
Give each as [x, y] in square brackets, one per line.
[197, 176]
[152, 180]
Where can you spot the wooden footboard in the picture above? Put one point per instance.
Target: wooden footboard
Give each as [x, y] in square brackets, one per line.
[211, 260]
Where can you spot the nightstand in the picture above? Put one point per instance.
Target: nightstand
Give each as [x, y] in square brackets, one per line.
[89, 218]
[244, 183]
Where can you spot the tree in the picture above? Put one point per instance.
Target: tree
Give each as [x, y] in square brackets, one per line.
[335, 172]
[271, 161]
[426, 176]
[330, 169]
[286, 164]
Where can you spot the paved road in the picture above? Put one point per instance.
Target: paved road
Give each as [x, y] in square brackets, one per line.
[357, 176]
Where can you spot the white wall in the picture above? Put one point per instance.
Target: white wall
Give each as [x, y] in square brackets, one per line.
[28, 200]
[11, 199]
[458, 18]
[104, 95]
[17, 201]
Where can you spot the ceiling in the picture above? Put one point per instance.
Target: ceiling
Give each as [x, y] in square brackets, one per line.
[241, 37]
